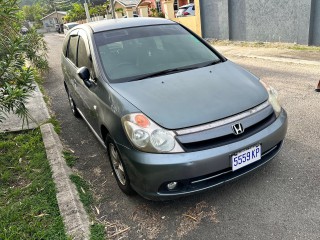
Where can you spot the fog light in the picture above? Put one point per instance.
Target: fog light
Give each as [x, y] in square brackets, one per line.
[172, 185]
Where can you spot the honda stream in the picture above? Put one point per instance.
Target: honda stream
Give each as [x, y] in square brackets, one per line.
[175, 116]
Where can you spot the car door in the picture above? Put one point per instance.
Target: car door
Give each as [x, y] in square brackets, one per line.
[70, 68]
[88, 95]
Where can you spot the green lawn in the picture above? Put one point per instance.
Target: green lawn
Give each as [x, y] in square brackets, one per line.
[28, 205]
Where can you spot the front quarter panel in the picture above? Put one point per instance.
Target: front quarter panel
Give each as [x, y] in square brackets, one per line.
[111, 108]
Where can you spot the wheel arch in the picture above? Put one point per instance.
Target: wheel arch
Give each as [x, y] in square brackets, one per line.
[104, 132]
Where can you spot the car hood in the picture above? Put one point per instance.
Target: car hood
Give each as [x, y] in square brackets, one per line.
[195, 97]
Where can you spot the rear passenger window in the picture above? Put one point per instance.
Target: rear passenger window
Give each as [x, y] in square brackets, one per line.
[72, 49]
[83, 59]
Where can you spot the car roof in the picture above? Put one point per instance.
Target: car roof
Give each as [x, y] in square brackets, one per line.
[118, 23]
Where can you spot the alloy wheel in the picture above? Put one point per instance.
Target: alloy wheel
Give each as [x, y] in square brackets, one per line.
[117, 164]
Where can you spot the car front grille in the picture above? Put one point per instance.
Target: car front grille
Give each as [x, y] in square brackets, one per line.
[223, 134]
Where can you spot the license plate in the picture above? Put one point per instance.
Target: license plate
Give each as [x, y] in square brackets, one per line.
[246, 157]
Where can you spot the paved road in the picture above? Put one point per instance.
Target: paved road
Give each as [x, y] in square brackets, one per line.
[279, 201]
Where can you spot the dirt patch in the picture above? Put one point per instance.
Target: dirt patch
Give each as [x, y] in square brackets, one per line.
[192, 218]
[148, 222]
[116, 230]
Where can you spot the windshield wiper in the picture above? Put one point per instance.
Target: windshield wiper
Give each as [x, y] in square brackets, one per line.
[212, 63]
[174, 70]
[164, 72]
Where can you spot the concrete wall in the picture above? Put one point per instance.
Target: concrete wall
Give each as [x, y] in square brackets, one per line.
[315, 23]
[214, 18]
[261, 20]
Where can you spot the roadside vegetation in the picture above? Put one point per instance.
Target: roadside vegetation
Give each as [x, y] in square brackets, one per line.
[16, 49]
[97, 231]
[77, 12]
[33, 11]
[280, 45]
[28, 205]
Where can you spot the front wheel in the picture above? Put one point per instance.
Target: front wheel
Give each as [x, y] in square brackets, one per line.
[118, 167]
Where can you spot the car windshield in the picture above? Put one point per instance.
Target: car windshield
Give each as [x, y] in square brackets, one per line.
[136, 53]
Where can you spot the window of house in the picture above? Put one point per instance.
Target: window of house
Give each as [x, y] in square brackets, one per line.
[176, 5]
[72, 49]
[159, 6]
[83, 56]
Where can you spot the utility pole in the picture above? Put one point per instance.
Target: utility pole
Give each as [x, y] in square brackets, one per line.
[87, 11]
[112, 9]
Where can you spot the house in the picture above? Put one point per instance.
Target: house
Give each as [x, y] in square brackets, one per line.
[135, 5]
[168, 8]
[159, 4]
[125, 7]
[53, 18]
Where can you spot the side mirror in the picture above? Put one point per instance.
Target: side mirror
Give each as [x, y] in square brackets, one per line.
[84, 74]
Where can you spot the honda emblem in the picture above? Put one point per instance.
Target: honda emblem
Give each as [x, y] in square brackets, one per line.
[237, 128]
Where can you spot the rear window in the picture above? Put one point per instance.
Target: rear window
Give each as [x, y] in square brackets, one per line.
[129, 54]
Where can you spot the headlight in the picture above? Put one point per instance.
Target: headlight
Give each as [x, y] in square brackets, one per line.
[273, 98]
[147, 136]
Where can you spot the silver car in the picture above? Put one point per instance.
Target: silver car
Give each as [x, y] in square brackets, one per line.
[186, 10]
[174, 122]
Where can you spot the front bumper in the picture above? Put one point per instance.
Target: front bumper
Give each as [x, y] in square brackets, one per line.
[197, 171]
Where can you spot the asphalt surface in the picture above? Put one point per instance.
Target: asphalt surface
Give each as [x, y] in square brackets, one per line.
[279, 201]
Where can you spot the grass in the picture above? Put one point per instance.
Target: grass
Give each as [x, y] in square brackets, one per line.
[97, 232]
[55, 123]
[83, 190]
[292, 46]
[304, 48]
[70, 158]
[28, 205]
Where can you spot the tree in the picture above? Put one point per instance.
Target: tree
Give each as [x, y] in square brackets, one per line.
[16, 79]
[76, 13]
[99, 10]
[33, 13]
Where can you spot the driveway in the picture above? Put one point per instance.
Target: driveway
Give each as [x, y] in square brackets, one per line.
[279, 201]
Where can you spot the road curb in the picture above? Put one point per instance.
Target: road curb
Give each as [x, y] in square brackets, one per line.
[71, 208]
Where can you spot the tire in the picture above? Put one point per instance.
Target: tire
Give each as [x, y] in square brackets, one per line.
[73, 106]
[118, 167]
